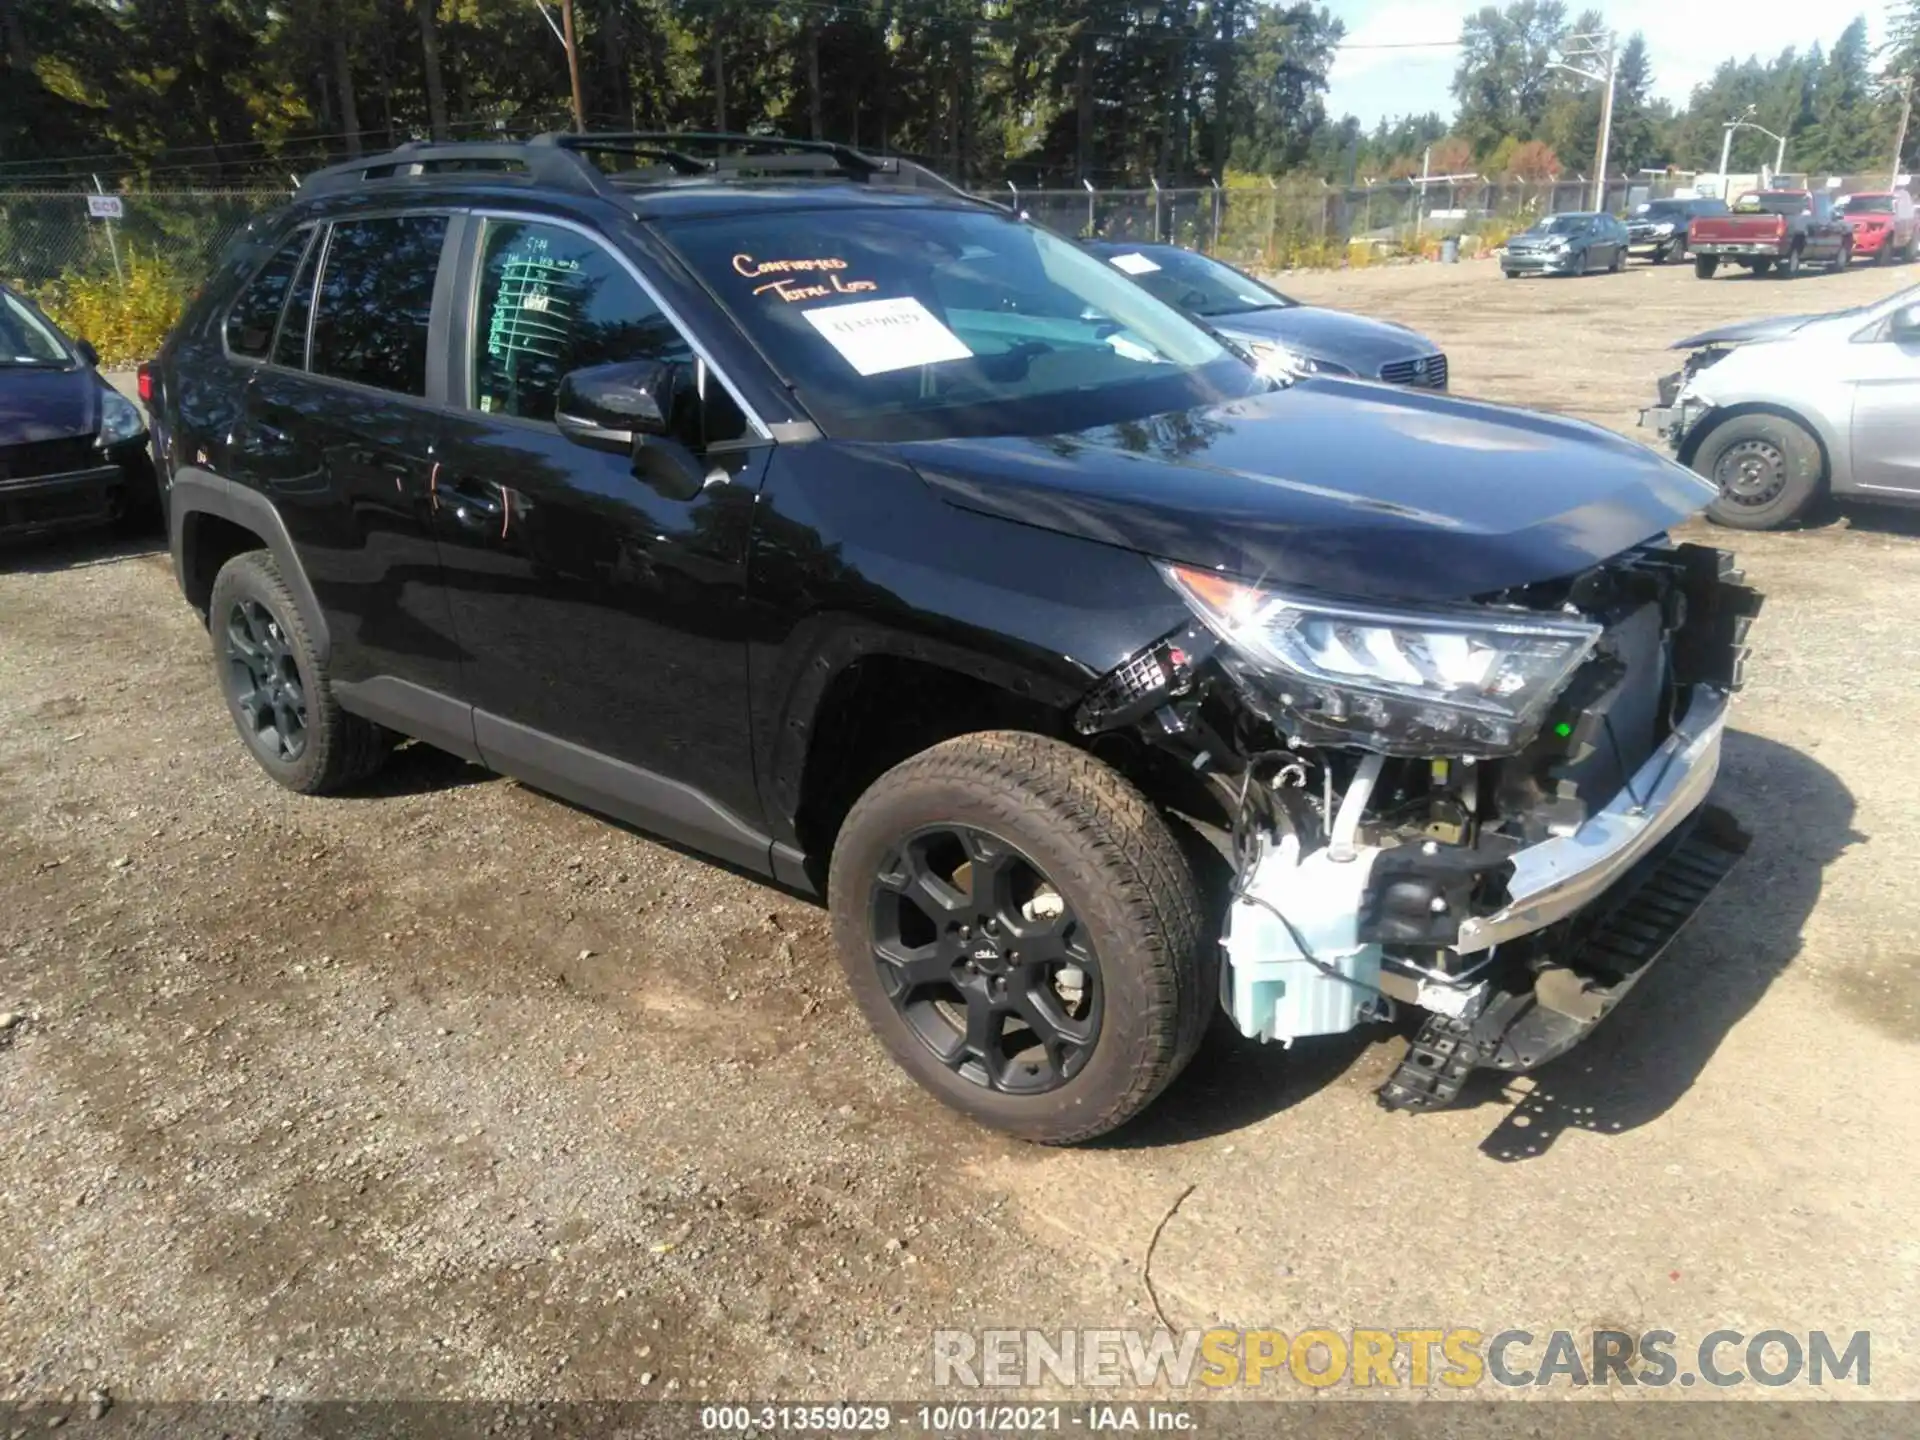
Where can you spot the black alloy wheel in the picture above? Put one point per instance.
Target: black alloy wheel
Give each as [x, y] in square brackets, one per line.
[263, 681]
[275, 681]
[985, 961]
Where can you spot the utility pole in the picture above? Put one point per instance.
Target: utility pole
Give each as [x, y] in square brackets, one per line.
[1899, 145]
[1599, 51]
[573, 63]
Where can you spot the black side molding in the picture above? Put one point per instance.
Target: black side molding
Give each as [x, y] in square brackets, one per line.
[440, 720]
[665, 807]
[201, 491]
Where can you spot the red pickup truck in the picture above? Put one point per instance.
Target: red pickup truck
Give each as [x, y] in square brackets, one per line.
[1773, 231]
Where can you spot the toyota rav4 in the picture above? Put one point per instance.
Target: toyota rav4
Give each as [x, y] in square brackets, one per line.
[789, 504]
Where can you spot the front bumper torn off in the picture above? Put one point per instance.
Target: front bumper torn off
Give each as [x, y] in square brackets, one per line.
[1620, 887]
[1558, 876]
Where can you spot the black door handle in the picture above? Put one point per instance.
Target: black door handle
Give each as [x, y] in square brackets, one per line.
[472, 503]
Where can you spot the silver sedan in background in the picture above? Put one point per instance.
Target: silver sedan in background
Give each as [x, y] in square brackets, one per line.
[1781, 412]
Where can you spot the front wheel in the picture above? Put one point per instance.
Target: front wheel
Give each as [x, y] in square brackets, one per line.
[1023, 934]
[1705, 267]
[1789, 268]
[1619, 262]
[1842, 259]
[1768, 469]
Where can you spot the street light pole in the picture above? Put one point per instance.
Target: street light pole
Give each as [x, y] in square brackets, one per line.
[1600, 48]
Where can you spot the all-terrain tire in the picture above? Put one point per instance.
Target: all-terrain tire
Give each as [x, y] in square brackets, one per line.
[339, 749]
[1113, 860]
[1705, 267]
[1789, 472]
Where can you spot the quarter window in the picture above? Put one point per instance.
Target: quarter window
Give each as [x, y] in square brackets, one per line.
[553, 301]
[290, 345]
[250, 323]
[376, 293]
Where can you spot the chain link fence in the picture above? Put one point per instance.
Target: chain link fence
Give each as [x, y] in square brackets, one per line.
[48, 236]
[1294, 222]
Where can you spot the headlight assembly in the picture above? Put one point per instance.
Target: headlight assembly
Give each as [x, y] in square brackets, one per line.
[1459, 681]
[119, 419]
[1280, 362]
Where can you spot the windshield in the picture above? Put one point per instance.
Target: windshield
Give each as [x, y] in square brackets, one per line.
[1754, 203]
[1868, 205]
[1195, 283]
[1663, 210]
[26, 339]
[1563, 225]
[897, 323]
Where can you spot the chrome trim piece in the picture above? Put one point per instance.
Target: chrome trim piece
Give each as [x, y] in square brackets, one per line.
[1553, 879]
[639, 278]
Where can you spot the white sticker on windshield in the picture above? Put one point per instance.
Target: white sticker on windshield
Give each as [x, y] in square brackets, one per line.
[876, 336]
[1133, 264]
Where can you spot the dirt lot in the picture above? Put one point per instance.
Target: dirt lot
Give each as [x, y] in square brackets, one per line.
[451, 1090]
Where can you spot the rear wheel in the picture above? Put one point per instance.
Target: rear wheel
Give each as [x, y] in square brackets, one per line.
[1762, 267]
[1705, 267]
[276, 686]
[1023, 934]
[1619, 262]
[1768, 469]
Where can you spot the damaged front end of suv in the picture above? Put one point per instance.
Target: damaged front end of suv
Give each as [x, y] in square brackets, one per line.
[1491, 812]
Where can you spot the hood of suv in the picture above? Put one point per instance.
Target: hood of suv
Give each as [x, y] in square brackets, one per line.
[38, 404]
[1336, 486]
[1362, 345]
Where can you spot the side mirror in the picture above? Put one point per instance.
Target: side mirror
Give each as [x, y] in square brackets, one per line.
[627, 409]
[88, 355]
[609, 407]
[1904, 324]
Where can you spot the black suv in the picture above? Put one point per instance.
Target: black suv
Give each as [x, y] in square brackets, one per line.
[788, 503]
[1661, 229]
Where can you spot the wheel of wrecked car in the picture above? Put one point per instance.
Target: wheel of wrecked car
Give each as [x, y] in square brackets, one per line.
[1768, 468]
[1844, 257]
[1023, 934]
[277, 688]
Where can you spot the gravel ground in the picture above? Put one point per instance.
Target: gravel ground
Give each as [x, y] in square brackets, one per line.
[450, 1090]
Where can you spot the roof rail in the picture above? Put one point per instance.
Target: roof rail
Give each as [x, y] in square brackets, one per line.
[541, 165]
[563, 160]
[768, 154]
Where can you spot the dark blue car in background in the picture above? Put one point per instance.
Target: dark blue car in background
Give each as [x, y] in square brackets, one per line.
[73, 450]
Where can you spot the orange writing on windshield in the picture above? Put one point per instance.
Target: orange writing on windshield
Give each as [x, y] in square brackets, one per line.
[790, 284]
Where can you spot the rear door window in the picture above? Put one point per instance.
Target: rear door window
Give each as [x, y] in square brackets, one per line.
[251, 320]
[376, 294]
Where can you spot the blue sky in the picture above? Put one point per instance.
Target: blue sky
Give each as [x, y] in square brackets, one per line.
[1687, 40]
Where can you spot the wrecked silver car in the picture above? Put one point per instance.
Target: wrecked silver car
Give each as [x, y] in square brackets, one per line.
[1782, 412]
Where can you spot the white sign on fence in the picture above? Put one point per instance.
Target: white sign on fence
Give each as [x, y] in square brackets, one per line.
[106, 207]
